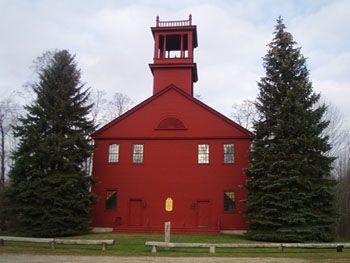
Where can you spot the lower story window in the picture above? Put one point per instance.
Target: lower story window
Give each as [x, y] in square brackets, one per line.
[229, 201]
[111, 199]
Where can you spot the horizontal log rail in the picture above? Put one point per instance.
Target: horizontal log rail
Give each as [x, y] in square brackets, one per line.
[54, 241]
[212, 246]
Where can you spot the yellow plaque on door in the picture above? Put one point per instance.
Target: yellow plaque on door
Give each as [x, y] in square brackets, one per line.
[169, 204]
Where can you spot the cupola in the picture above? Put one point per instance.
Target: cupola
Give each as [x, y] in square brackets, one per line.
[174, 44]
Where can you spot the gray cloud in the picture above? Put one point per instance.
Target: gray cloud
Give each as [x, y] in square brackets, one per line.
[114, 44]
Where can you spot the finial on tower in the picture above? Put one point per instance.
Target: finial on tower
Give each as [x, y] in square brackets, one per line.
[190, 19]
[157, 21]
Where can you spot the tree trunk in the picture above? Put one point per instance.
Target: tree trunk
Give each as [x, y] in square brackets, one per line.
[2, 171]
[2, 175]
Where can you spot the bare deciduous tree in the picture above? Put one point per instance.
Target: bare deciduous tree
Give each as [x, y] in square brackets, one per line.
[9, 111]
[339, 138]
[26, 94]
[336, 130]
[99, 101]
[244, 113]
[342, 172]
[105, 110]
[41, 62]
[117, 105]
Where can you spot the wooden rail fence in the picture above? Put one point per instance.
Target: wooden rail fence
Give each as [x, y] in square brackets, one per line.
[212, 246]
[54, 241]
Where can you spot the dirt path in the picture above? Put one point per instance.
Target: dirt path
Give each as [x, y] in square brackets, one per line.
[32, 258]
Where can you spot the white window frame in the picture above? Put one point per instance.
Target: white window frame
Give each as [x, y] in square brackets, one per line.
[203, 153]
[228, 154]
[113, 153]
[137, 153]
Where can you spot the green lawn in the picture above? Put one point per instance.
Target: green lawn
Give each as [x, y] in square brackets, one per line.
[134, 245]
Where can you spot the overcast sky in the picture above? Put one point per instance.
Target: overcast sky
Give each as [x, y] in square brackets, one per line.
[113, 43]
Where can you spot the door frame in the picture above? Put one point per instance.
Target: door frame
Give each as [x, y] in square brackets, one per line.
[141, 211]
[197, 212]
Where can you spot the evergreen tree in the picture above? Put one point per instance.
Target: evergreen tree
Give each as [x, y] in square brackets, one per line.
[291, 194]
[49, 188]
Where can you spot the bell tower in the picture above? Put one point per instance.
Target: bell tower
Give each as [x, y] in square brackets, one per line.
[174, 43]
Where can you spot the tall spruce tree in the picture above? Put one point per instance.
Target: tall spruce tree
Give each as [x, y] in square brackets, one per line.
[49, 188]
[291, 194]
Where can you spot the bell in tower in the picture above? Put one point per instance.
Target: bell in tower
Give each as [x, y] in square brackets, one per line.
[174, 43]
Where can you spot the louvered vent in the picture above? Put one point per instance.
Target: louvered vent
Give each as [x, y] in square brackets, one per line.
[171, 123]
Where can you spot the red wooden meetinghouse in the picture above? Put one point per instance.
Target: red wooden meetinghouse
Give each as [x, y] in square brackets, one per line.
[171, 157]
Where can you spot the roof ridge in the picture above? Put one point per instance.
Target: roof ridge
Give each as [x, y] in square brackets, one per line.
[160, 93]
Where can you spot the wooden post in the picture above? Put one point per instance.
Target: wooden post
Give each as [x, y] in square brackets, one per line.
[340, 248]
[53, 244]
[182, 52]
[281, 248]
[212, 249]
[104, 246]
[167, 229]
[164, 46]
[154, 249]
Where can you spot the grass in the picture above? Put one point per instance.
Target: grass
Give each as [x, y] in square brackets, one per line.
[134, 245]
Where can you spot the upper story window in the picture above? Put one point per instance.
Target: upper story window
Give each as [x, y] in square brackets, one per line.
[203, 153]
[229, 201]
[229, 153]
[113, 153]
[137, 153]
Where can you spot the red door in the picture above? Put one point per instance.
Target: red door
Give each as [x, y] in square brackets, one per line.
[202, 213]
[135, 212]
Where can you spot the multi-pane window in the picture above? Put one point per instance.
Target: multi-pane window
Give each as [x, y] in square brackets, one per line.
[203, 153]
[113, 153]
[229, 201]
[229, 153]
[137, 153]
[111, 199]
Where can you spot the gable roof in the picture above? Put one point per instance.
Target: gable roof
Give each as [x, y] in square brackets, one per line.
[159, 94]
